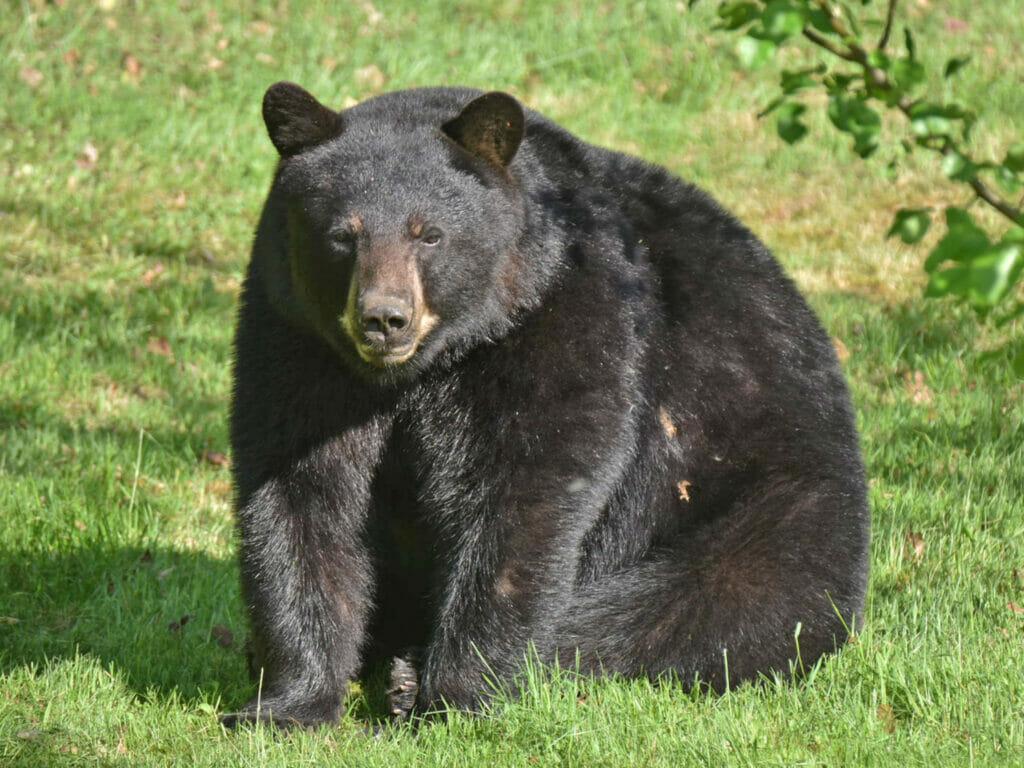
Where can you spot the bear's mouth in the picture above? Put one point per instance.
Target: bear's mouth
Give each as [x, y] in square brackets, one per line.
[384, 353]
[383, 357]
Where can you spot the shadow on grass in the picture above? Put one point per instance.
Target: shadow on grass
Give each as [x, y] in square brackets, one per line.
[163, 619]
[166, 622]
[70, 223]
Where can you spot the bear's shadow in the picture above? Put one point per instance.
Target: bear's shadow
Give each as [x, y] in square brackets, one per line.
[165, 622]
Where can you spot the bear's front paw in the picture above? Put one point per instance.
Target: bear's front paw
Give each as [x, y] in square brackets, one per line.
[404, 688]
[285, 714]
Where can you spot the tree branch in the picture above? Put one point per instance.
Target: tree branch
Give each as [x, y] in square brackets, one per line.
[982, 190]
[878, 78]
[822, 42]
[889, 17]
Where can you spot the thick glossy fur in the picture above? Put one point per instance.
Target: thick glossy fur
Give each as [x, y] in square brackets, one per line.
[621, 435]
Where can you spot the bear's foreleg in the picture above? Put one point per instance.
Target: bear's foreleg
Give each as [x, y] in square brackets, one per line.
[307, 578]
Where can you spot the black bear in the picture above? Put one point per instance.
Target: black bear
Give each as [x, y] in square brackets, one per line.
[499, 389]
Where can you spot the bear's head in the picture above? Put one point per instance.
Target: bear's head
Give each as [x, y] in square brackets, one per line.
[393, 229]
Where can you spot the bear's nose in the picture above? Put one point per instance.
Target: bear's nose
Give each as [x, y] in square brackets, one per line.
[384, 318]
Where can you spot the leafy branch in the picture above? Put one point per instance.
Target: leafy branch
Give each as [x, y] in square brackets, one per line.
[861, 78]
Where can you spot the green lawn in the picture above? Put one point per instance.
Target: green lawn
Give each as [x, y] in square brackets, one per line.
[133, 163]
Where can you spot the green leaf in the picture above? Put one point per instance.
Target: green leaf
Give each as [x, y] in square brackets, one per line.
[800, 79]
[910, 224]
[819, 20]
[984, 281]
[955, 64]
[993, 274]
[953, 281]
[879, 59]
[791, 130]
[754, 53]
[1008, 180]
[734, 15]
[837, 82]
[930, 119]
[1015, 157]
[782, 19]
[853, 116]
[958, 167]
[908, 74]
[963, 241]
[774, 104]
[908, 38]
[1018, 364]
[1010, 316]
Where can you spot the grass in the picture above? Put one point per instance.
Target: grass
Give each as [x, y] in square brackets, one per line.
[132, 166]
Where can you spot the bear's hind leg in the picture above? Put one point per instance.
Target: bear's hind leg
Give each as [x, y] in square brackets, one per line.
[723, 603]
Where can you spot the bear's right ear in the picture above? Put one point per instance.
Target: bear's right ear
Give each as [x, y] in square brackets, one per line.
[490, 127]
[296, 120]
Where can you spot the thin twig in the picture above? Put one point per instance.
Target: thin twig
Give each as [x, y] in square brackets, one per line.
[833, 19]
[982, 190]
[889, 17]
[818, 40]
[878, 78]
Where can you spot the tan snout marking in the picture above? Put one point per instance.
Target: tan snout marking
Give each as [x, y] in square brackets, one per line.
[395, 268]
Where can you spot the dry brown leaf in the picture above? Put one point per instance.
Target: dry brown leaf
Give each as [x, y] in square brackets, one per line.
[132, 67]
[887, 718]
[262, 28]
[1014, 607]
[915, 545]
[370, 78]
[222, 635]
[917, 390]
[160, 346]
[81, 526]
[152, 274]
[842, 351]
[684, 490]
[176, 626]
[89, 156]
[32, 77]
[220, 489]
[666, 423]
[216, 458]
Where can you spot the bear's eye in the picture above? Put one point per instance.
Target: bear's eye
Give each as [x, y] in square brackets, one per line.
[431, 237]
[342, 242]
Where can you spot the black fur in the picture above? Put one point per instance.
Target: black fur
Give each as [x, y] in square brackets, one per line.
[621, 432]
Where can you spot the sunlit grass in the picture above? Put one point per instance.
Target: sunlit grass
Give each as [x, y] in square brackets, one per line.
[132, 166]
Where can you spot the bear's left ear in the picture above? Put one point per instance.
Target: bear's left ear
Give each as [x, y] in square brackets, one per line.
[296, 120]
[490, 128]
